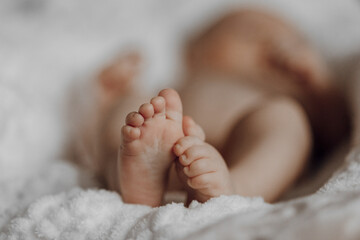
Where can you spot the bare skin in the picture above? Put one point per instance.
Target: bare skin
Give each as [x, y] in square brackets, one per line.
[258, 49]
[260, 97]
[200, 167]
[114, 84]
[145, 154]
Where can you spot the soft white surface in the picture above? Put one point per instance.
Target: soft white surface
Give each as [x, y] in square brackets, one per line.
[45, 45]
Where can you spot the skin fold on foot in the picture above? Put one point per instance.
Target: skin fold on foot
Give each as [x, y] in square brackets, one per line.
[200, 166]
[145, 154]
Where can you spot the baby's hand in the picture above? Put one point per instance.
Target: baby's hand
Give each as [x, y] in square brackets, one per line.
[202, 168]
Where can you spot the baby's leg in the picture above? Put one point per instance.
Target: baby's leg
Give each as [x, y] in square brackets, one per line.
[92, 103]
[97, 118]
[268, 149]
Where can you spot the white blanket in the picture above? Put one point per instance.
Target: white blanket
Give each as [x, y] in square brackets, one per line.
[46, 46]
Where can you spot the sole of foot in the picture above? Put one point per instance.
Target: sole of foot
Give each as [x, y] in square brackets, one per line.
[145, 154]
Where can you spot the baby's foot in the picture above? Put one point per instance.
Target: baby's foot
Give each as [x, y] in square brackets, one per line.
[200, 165]
[146, 154]
[116, 78]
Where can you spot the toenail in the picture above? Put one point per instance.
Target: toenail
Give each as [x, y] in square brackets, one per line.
[183, 158]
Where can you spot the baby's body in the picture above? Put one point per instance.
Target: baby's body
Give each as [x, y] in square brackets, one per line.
[255, 105]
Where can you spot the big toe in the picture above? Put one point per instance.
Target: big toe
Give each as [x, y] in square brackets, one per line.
[173, 105]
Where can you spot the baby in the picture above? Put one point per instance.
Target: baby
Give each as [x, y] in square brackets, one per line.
[259, 92]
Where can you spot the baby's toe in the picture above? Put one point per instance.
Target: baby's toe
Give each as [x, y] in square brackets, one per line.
[200, 182]
[134, 119]
[146, 110]
[130, 133]
[159, 105]
[194, 153]
[198, 167]
[185, 143]
[173, 104]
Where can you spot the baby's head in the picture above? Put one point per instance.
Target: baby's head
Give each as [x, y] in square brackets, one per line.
[264, 50]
